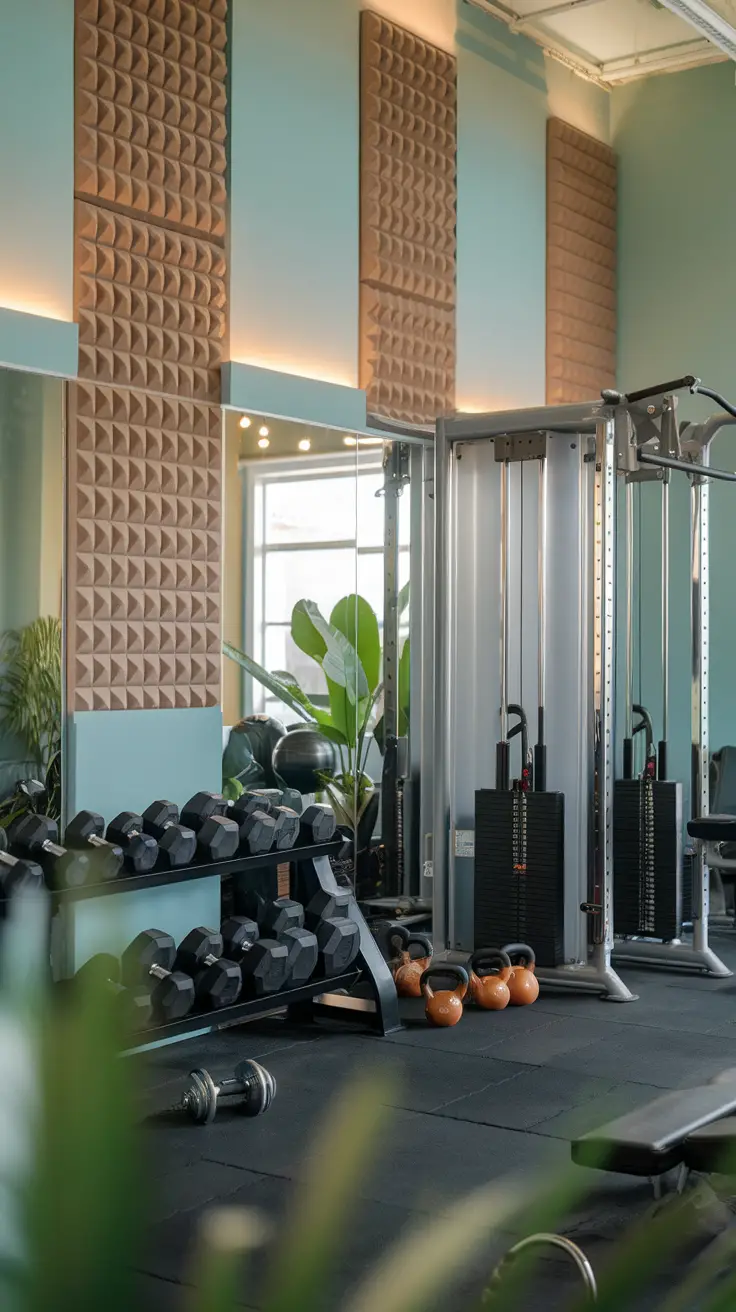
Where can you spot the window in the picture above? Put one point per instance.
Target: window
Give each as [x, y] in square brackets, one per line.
[314, 530]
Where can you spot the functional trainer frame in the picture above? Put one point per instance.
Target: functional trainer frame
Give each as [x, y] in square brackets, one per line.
[579, 451]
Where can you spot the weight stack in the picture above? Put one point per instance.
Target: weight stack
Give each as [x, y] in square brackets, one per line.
[647, 858]
[519, 892]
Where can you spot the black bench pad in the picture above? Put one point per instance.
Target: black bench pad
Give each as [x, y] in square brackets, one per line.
[713, 828]
[651, 1140]
[713, 1148]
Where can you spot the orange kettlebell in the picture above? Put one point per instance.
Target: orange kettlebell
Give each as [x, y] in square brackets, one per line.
[445, 1007]
[408, 974]
[490, 972]
[523, 985]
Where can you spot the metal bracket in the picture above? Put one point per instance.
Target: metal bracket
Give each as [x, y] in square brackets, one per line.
[520, 446]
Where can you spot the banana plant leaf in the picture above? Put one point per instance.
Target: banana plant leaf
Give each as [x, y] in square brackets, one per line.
[404, 691]
[356, 620]
[339, 660]
[284, 691]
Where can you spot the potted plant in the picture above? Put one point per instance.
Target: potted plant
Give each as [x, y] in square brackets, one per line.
[30, 710]
[347, 648]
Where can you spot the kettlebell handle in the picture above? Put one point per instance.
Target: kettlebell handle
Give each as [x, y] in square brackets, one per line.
[446, 971]
[489, 961]
[520, 954]
[421, 940]
[399, 939]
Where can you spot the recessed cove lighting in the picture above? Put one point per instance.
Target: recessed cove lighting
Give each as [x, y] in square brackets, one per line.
[263, 431]
[245, 422]
[350, 441]
[305, 444]
[263, 443]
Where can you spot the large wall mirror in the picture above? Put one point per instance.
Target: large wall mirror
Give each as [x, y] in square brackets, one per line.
[319, 528]
[31, 592]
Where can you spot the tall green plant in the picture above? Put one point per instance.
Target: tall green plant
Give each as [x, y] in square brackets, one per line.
[30, 687]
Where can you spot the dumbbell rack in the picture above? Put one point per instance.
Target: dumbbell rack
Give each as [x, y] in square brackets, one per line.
[311, 872]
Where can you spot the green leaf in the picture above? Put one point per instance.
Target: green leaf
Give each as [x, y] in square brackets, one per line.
[404, 689]
[272, 682]
[340, 661]
[231, 789]
[305, 632]
[403, 599]
[353, 617]
[342, 713]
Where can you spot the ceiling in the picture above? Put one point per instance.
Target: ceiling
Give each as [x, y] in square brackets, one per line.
[615, 41]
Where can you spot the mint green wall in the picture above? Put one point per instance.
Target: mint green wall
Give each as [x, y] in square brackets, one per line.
[295, 189]
[675, 137]
[37, 160]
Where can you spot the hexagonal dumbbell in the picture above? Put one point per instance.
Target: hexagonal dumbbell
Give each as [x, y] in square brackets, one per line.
[283, 919]
[218, 837]
[217, 980]
[85, 831]
[17, 875]
[177, 845]
[37, 835]
[338, 937]
[140, 851]
[103, 971]
[266, 802]
[149, 960]
[317, 824]
[263, 962]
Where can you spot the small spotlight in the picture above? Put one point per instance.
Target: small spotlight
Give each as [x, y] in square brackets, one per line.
[263, 443]
[305, 444]
[350, 441]
[263, 431]
[245, 422]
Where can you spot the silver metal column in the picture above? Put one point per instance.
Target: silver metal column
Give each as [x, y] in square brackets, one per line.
[504, 590]
[443, 461]
[699, 634]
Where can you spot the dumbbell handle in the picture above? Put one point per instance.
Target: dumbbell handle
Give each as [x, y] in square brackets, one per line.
[159, 972]
[201, 1098]
[53, 849]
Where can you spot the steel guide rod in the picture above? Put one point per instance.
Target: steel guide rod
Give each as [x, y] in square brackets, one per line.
[663, 749]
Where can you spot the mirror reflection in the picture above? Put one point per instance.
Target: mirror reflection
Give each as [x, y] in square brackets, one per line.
[317, 543]
[31, 556]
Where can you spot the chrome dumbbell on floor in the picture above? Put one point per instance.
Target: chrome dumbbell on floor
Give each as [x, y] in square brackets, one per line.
[250, 1081]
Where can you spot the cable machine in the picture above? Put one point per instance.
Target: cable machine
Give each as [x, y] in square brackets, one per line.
[630, 826]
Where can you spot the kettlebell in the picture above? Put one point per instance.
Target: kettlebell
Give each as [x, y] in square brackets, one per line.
[445, 1007]
[410, 969]
[523, 984]
[490, 971]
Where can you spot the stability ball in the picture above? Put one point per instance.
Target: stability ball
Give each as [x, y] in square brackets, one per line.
[300, 756]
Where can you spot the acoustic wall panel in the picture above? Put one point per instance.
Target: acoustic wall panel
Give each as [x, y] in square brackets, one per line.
[581, 265]
[144, 425]
[407, 228]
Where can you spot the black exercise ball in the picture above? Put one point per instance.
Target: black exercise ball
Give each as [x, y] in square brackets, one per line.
[300, 756]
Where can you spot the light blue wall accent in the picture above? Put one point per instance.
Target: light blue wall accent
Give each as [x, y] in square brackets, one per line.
[30, 341]
[287, 396]
[677, 315]
[501, 239]
[294, 187]
[122, 760]
[37, 163]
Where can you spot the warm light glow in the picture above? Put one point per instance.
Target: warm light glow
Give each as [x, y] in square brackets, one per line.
[363, 441]
[245, 422]
[316, 371]
[263, 431]
[44, 309]
[350, 441]
[305, 444]
[264, 443]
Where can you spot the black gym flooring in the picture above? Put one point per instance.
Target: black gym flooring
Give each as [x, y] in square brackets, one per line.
[502, 1093]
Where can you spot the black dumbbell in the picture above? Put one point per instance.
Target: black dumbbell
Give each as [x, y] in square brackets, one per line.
[264, 963]
[17, 875]
[38, 836]
[283, 918]
[250, 1082]
[140, 851]
[218, 837]
[86, 830]
[317, 824]
[177, 845]
[338, 937]
[218, 981]
[151, 957]
[267, 802]
[135, 1004]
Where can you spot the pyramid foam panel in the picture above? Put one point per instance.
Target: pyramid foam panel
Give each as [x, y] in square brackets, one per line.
[581, 265]
[144, 438]
[407, 229]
